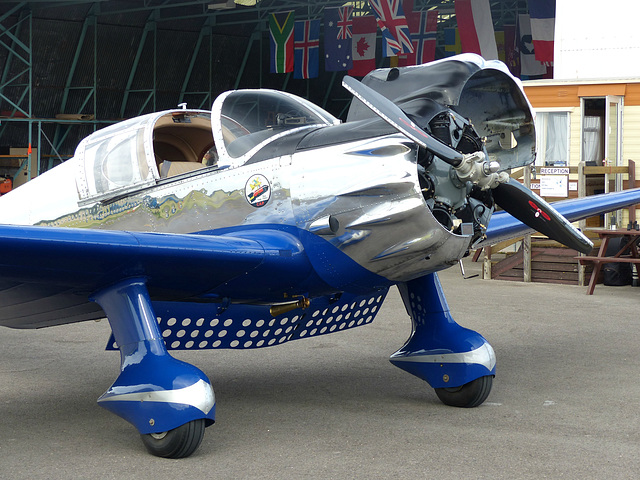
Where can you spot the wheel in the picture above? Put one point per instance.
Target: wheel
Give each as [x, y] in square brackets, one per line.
[177, 443]
[468, 395]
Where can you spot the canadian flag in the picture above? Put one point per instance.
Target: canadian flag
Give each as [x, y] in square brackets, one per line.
[363, 45]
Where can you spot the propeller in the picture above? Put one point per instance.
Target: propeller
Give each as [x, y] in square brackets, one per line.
[530, 209]
[510, 195]
[394, 116]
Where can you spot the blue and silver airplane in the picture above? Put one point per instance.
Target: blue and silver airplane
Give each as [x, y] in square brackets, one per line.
[268, 220]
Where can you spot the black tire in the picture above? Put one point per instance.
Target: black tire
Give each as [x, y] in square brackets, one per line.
[177, 443]
[468, 395]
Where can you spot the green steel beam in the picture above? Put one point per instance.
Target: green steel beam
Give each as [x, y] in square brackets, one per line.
[325, 100]
[170, 10]
[205, 32]
[29, 159]
[89, 21]
[18, 50]
[255, 35]
[260, 27]
[62, 131]
[25, 13]
[150, 26]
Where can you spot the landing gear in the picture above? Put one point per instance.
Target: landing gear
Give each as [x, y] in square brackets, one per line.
[177, 443]
[170, 402]
[457, 362]
[468, 395]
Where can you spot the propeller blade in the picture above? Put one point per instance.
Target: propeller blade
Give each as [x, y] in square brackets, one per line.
[530, 209]
[394, 116]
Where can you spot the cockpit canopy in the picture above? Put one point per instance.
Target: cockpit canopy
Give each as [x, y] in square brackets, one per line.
[250, 119]
[131, 155]
[139, 152]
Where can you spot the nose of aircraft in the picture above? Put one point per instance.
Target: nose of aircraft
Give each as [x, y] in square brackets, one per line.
[507, 193]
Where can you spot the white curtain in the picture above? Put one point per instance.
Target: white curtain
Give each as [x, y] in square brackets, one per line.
[557, 141]
[592, 144]
[553, 138]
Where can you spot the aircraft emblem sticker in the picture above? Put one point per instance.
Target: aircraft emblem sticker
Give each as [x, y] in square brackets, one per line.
[257, 190]
[539, 211]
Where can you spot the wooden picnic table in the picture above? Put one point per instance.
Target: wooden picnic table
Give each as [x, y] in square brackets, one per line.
[628, 253]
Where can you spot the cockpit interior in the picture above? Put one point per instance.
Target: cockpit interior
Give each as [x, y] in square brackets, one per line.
[183, 143]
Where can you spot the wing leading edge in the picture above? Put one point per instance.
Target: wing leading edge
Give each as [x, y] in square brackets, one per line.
[48, 274]
[505, 227]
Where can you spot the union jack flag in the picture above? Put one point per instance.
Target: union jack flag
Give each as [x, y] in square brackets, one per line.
[344, 23]
[393, 24]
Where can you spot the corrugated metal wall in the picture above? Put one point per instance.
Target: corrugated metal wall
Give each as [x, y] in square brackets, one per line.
[55, 41]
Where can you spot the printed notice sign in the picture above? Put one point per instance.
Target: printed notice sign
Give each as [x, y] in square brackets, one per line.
[554, 186]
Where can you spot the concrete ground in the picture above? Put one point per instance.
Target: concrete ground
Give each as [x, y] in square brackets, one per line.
[564, 404]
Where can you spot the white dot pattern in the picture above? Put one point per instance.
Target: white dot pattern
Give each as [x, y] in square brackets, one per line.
[240, 326]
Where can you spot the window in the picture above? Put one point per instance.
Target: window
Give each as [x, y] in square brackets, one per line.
[117, 162]
[246, 120]
[552, 139]
[114, 160]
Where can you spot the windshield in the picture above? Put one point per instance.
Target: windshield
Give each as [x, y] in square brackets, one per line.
[249, 119]
[129, 155]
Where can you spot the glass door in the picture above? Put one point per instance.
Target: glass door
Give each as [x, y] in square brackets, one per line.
[613, 151]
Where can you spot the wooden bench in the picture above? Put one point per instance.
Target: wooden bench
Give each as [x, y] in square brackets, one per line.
[628, 253]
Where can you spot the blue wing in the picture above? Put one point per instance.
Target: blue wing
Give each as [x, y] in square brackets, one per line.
[48, 274]
[505, 227]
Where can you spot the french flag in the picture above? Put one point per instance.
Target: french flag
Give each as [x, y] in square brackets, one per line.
[542, 14]
[476, 28]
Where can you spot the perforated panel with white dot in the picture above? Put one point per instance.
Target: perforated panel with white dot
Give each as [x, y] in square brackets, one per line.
[193, 326]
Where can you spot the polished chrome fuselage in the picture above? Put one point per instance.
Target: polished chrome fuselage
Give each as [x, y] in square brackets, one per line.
[269, 159]
[364, 203]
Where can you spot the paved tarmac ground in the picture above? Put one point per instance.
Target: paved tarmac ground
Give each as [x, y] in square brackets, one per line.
[565, 402]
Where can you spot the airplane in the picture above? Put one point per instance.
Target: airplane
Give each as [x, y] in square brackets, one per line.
[267, 220]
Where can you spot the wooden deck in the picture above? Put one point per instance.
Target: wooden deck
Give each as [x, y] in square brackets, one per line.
[548, 265]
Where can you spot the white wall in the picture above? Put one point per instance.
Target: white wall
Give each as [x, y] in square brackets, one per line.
[596, 39]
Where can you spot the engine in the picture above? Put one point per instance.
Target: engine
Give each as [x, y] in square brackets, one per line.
[455, 199]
